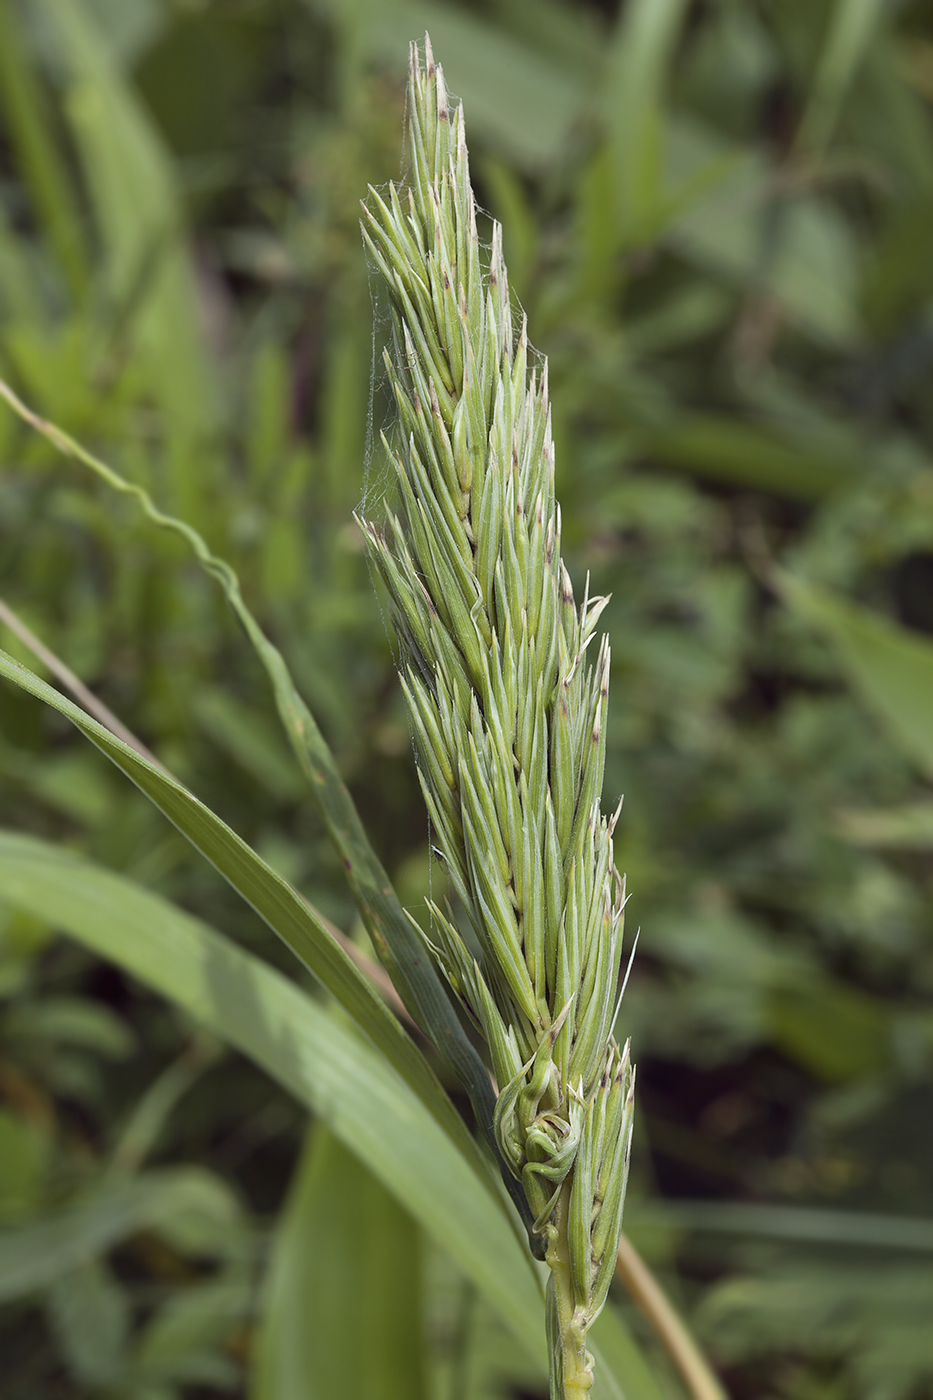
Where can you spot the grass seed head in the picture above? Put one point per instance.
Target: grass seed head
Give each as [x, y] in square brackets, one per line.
[508, 714]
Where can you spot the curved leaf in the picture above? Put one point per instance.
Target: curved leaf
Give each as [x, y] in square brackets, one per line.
[321, 1061]
[398, 945]
[275, 901]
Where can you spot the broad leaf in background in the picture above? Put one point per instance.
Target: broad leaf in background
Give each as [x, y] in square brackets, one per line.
[909, 827]
[891, 667]
[325, 1065]
[23, 1154]
[281, 907]
[798, 250]
[369, 1108]
[639, 60]
[139, 213]
[508, 89]
[398, 944]
[877, 1314]
[741, 454]
[90, 1318]
[185, 1203]
[849, 36]
[30, 132]
[194, 1338]
[343, 1306]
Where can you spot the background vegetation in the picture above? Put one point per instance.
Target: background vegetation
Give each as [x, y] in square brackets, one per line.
[717, 216]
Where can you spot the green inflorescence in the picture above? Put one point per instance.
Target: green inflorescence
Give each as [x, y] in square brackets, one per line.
[508, 712]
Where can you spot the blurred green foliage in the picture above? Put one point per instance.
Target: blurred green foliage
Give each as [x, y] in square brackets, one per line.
[717, 217]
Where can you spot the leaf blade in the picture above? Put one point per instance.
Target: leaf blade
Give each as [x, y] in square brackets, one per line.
[345, 1263]
[399, 946]
[891, 666]
[322, 1062]
[280, 906]
[33, 1256]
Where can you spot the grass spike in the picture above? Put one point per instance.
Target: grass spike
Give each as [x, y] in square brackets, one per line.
[493, 649]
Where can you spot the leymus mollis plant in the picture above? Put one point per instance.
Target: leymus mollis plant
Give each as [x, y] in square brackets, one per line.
[508, 713]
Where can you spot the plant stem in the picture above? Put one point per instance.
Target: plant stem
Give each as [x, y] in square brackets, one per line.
[571, 1364]
[645, 1291]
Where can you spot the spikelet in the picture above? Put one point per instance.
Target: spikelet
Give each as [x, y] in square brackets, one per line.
[508, 707]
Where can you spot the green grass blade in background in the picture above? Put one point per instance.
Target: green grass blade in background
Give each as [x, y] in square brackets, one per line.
[639, 61]
[342, 1313]
[145, 1124]
[33, 1256]
[280, 906]
[800, 1224]
[138, 210]
[399, 946]
[323, 1063]
[742, 454]
[623, 1371]
[30, 132]
[851, 29]
[890, 666]
[513, 95]
[909, 827]
[20, 300]
[787, 245]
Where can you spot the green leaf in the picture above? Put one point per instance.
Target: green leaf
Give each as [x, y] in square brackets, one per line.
[282, 908]
[22, 1166]
[848, 39]
[512, 95]
[622, 1371]
[793, 1224]
[154, 1105]
[909, 826]
[188, 1339]
[30, 133]
[891, 667]
[20, 296]
[90, 1317]
[725, 449]
[874, 1317]
[898, 275]
[138, 211]
[247, 739]
[797, 249]
[367, 1105]
[641, 51]
[345, 1266]
[834, 1030]
[33, 1256]
[72, 1021]
[399, 947]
